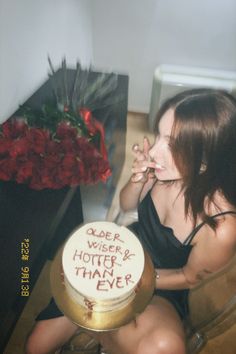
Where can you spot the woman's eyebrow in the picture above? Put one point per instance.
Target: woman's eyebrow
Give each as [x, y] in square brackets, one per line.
[169, 137]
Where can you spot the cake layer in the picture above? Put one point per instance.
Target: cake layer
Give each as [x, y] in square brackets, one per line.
[99, 305]
[102, 264]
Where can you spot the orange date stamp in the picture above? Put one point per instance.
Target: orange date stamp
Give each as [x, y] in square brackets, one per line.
[25, 270]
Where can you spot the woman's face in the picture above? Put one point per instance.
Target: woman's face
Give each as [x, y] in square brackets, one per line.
[160, 152]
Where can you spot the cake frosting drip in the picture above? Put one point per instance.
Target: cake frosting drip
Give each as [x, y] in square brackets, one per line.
[102, 264]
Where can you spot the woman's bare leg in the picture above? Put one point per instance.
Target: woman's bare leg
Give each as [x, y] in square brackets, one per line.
[49, 335]
[158, 330]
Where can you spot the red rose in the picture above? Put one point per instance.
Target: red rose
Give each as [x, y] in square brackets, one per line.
[50, 180]
[19, 147]
[67, 145]
[37, 162]
[14, 128]
[71, 170]
[35, 182]
[38, 139]
[65, 130]
[94, 165]
[99, 169]
[51, 162]
[43, 160]
[86, 149]
[68, 165]
[8, 169]
[49, 172]
[104, 170]
[53, 147]
[5, 145]
[24, 171]
[79, 176]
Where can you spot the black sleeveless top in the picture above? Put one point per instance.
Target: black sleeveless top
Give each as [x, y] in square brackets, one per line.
[165, 250]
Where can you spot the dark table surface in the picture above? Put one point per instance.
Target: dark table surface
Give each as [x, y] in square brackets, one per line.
[41, 220]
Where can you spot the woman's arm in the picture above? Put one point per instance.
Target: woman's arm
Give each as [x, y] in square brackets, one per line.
[210, 254]
[133, 192]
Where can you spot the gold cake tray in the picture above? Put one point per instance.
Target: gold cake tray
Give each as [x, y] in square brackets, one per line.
[101, 321]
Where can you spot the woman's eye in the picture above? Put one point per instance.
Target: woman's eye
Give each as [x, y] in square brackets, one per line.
[170, 143]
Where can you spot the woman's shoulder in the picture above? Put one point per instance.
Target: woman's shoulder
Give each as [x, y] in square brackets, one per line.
[226, 230]
[225, 213]
[215, 248]
[219, 204]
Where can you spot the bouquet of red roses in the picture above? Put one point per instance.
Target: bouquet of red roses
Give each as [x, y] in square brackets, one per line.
[59, 145]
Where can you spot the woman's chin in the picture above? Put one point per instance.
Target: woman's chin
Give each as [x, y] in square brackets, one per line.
[163, 176]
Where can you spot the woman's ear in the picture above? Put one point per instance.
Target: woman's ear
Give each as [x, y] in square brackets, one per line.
[203, 167]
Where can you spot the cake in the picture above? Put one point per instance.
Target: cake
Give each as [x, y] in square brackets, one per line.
[102, 265]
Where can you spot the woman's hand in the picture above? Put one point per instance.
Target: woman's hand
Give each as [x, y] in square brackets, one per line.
[142, 165]
[142, 178]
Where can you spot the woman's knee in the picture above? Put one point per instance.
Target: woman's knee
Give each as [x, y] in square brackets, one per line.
[49, 335]
[31, 345]
[36, 344]
[158, 342]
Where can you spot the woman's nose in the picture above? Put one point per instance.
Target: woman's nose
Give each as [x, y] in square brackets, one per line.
[156, 149]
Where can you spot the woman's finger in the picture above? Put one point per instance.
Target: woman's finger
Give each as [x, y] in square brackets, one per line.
[135, 147]
[141, 154]
[146, 145]
[138, 177]
[139, 169]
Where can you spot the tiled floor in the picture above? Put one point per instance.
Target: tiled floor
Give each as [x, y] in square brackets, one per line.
[137, 128]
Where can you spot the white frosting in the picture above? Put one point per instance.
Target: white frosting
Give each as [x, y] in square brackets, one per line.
[102, 264]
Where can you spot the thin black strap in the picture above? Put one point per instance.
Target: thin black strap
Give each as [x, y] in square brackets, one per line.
[193, 233]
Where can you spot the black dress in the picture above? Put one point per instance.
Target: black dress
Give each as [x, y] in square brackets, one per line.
[165, 250]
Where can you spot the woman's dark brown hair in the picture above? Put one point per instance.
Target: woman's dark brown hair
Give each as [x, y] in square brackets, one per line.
[204, 146]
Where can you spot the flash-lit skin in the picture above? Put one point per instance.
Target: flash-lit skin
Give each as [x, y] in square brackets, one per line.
[157, 157]
[160, 153]
[151, 162]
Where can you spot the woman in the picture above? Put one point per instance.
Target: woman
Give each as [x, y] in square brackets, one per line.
[184, 189]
